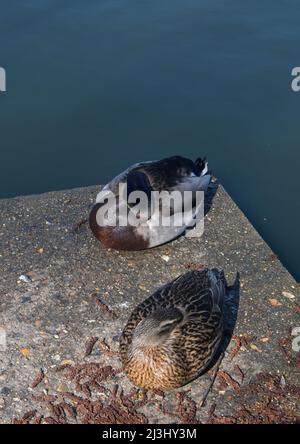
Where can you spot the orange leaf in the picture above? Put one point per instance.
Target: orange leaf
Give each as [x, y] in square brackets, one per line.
[275, 302]
[25, 351]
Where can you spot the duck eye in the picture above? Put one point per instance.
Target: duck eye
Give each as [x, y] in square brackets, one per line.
[167, 325]
[168, 322]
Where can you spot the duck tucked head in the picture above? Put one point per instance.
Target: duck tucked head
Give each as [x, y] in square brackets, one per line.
[120, 238]
[138, 208]
[155, 329]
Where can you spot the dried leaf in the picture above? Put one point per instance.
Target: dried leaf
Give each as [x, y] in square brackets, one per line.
[288, 295]
[25, 351]
[296, 308]
[254, 347]
[90, 345]
[264, 339]
[275, 302]
[38, 379]
[61, 388]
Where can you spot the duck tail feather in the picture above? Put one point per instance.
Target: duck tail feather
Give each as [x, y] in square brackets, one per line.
[231, 304]
[200, 163]
[204, 182]
[236, 284]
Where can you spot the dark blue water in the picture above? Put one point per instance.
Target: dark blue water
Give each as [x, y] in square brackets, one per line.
[93, 86]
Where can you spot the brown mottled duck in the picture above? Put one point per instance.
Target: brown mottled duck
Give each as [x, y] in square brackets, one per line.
[172, 337]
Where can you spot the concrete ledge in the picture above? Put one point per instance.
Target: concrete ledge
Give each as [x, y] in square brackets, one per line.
[49, 319]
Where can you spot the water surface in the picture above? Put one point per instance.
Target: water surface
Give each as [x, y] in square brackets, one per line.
[95, 86]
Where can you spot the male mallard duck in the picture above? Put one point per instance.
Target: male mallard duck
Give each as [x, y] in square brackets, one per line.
[172, 174]
[172, 337]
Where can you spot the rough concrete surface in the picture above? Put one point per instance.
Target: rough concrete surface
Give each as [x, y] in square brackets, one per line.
[75, 290]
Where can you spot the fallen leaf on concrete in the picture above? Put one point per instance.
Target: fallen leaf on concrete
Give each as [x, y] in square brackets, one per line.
[106, 350]
[26, 418]
[67, 362]
[43, 398]
[296, 308]
[263, 401]
[38, 379]
[104, 307]
[254, 347]
[229, 380]
[25, 351]
[61, 388]
[288, 295]
[236, 349]
[275, 302]
[90, 345]
[264, 339]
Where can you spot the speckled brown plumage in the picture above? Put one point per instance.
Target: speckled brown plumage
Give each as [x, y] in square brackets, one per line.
[172, 336]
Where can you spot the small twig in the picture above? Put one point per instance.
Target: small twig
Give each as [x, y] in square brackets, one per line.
[202, 404]
[90, 345]
[106, 310]
[38, 379]
[44, 398]
[296, 308]
[62, 367]
[106, 350]
[236, 349]
[240, 372]
[79, 224]
[229, 380]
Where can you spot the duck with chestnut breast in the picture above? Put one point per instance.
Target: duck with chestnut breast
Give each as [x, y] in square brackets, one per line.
[171, 174]
[172, 337]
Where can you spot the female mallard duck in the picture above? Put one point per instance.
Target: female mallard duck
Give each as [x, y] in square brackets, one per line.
[172, 337]
[172, 174]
